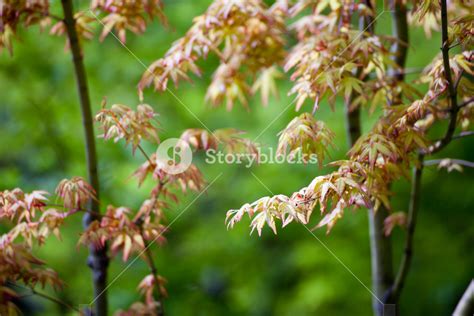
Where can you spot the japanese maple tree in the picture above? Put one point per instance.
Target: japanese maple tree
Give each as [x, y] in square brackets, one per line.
[331, 51]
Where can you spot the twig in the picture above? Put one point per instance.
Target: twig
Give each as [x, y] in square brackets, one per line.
[145, 154]
[455, 45]
[411, 224]
[151, 264]
[458, 80]
[461, 162]
[466, 304]
[466, 103]
[56, 17]
[73, 210]
[463, 134]
[44, 295]
[55, 300]
[154, 271]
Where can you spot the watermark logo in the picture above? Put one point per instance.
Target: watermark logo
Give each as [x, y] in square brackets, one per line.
[174, 156]
[260, 157]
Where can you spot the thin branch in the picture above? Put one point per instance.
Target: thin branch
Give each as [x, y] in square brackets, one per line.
[461, 105]
[458, 80]
[154, 272]
[145, 154]
[56, 17]
[75, 210]
[150, 262]
[98, 259]
[461, 162]
[463, 134]
[455, 45]
[452, 94]
[466, 304]
[54, 300]
[436, 147]
[44, 295]
[411, 224]
[466, 103]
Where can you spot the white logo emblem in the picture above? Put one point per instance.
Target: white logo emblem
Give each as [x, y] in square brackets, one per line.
[174, 156]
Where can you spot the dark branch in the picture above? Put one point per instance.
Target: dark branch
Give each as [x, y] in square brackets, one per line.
[466, 103]
[452, 94]
[43, 295]
[411, 224]
[145, 154]
[154, 272]
[98, 259]
[150, 262]
[416, 180]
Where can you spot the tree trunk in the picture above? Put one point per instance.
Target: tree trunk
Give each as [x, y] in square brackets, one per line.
[98, 260]
[381, 245]
[400, 33]
[381, 259]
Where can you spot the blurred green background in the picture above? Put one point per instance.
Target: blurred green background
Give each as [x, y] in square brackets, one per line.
[212, 271]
